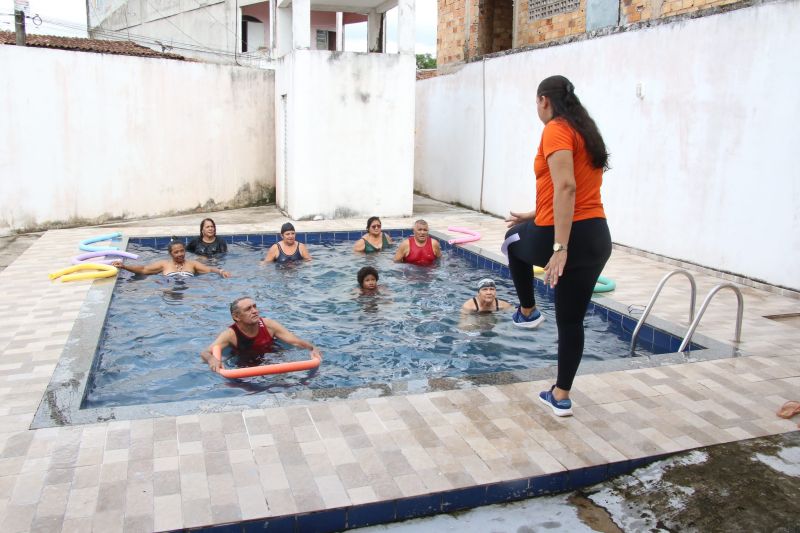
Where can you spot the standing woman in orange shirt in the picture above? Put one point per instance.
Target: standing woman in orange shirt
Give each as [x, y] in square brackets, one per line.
[567, 232]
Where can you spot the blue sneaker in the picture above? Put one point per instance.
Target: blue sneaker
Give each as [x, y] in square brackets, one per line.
[529, 322]
[559, 407]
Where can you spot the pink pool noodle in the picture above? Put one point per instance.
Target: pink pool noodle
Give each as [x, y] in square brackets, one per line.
[472, 235]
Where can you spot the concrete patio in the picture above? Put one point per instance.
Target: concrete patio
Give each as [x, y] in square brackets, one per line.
[326, 465]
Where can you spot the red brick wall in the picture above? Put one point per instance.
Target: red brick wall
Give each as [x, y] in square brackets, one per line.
[450, 32]
[543, 30]
[491, 23]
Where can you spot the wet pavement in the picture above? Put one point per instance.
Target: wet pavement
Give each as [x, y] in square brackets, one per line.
[749, 486]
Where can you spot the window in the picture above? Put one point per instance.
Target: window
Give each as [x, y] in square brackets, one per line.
[543, 9]
[252, 34]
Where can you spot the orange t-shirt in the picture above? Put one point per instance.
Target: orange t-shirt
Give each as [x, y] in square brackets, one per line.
[559, 135]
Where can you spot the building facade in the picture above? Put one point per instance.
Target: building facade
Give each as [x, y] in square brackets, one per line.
[468, 29]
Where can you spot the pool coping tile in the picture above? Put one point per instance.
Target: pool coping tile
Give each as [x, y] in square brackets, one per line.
[65, 395]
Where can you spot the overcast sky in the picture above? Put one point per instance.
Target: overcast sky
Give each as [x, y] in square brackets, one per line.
[71, 14]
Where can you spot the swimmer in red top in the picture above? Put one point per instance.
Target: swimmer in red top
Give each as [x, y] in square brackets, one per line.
[421, 249]
[251, 335]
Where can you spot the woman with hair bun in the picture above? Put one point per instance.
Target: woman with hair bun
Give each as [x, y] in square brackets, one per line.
[567, 231]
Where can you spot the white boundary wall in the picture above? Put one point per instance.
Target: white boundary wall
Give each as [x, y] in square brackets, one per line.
[348, 149]
[704, 166]
[92, 135]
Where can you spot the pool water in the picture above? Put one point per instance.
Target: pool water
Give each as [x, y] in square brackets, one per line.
[411, 328]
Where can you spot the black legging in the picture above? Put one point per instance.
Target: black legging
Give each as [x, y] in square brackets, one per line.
[588, 250]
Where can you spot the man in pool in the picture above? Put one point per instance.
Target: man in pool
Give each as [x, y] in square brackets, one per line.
[176, 266]
[486, 300]
[250, 335]
[421, 249]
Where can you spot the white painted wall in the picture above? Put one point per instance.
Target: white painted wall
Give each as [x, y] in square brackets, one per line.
[350, 140]
[704, 164]
[208, 30]
[92, 135]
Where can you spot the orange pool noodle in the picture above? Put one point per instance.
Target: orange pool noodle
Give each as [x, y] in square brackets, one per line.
[263, 370]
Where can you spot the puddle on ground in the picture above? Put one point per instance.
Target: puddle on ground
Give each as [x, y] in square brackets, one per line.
[743, 486]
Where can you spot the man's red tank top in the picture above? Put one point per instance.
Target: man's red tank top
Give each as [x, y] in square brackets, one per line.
[420, 255]
[250, 346]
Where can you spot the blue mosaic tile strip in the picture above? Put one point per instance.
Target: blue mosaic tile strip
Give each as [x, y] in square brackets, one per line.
[416, 506]
[326, 521]
[467, 498]
[508, 491]
[552, 484]
[586, 477]
[371, 514]
[619, 468]
[674, 343]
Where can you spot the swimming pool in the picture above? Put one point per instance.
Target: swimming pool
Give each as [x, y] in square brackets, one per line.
[411, 329]
[139, 358]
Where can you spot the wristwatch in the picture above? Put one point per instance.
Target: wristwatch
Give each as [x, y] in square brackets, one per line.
[558, 247]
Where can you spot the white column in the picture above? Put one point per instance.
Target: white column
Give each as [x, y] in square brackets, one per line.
[405, 26]
[237, 16]
[339, 31]
[273, 24]
[301, 24]
[374, 25]
[283, 31]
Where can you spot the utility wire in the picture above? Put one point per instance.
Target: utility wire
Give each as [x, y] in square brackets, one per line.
[141, 39]
[208, 12]
[152, 41]
[173, 24]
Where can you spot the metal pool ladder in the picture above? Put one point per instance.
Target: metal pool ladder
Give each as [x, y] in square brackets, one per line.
[694, 320]
[653, 301]
[739, 312]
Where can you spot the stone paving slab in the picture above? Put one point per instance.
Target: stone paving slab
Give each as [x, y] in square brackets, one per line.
[204, 469]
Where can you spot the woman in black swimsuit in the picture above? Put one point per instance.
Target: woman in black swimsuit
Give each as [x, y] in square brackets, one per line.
[486, 300]
[287, 249]
[207, 243]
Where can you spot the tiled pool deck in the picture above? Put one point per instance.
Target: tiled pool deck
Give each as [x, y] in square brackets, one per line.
[324, 465]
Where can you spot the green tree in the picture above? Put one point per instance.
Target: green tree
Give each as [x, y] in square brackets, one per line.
[425, 61]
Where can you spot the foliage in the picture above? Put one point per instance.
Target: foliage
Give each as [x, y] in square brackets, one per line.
[425, 61]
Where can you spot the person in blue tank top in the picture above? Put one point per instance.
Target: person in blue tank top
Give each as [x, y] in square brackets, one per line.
[287, 249]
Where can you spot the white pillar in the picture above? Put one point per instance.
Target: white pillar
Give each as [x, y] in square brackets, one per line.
[283, 31]
[301, 24]
[237, 15]
[374, 26]
[339, 31]
[273, 24]
[405, 26]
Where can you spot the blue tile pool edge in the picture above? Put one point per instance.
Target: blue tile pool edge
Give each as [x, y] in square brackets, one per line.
[459, 499]
[61, 403]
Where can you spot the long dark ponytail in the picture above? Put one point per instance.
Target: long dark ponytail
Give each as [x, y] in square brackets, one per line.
[566, 104]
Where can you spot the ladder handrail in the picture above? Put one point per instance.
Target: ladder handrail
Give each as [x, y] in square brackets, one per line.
[655, 296]
[739, 313]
